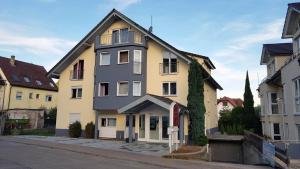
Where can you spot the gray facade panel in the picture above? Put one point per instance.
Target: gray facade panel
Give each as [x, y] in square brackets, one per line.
[114, 73]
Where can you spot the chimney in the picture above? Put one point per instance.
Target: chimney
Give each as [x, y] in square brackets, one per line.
[12, 60]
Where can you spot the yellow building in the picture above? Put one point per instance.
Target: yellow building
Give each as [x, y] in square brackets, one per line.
[131, 82]
[25, 91]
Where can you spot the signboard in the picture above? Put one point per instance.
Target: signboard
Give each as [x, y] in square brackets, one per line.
[269, 153]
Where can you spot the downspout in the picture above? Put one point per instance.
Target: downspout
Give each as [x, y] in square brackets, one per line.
[9, 98]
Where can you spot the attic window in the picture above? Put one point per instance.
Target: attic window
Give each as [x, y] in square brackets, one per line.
[38, 82]
[51, 84]
[15, 78]
[26, 79]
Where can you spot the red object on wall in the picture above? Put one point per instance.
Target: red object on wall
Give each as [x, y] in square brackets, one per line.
[176, 115]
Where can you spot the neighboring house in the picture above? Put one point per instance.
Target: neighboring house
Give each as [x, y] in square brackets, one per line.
[227, 103]
[130, 81]
[25, 91]
[280, 91]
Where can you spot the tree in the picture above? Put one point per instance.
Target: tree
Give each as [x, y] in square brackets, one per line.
[196, 105]
[230, 121]
[250, 120]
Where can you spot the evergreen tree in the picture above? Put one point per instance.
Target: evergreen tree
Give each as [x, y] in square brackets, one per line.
[249, 116]
[196, 105]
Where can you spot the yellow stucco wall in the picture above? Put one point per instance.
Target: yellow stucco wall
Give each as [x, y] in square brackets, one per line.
[155, 80]
[280, 61]
[84, 106]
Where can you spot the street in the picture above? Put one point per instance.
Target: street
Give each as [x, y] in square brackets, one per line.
[19, 153]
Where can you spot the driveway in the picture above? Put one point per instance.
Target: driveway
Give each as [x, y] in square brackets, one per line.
[21, 153]
[153, 149]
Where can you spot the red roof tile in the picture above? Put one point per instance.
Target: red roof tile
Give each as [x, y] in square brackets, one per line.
[36, 74]
[233, 101]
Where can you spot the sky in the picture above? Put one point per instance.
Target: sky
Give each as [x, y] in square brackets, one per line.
[231, 32]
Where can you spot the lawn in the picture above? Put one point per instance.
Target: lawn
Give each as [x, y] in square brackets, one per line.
[38, 132]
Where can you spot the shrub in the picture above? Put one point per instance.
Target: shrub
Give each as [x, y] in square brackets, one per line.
[89, 130]
[203, 141]
[75, 129]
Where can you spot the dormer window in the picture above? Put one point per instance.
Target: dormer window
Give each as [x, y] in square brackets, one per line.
[38, 82]
[26, 79]
[77, 72]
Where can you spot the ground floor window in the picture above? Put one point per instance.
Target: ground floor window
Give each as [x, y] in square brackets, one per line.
[276, 131]
[154, 127]
[73, 117]
[108, 122]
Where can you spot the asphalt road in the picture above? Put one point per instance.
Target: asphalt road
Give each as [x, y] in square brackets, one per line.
[29, 154]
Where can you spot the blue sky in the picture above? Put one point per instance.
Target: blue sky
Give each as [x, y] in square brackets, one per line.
[231, 33]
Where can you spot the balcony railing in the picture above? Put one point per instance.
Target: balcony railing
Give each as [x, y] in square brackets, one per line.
[169, 68]
[76, 74]
[130, 37]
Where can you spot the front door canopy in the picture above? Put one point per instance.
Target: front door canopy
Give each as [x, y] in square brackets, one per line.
[145, 101]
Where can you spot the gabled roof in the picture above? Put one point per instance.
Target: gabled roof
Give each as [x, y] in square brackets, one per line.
[233, 101]
[207, 61]
[109, 18]
[275, 49]
[89, 39]
[147, 100]
[15, 75]
[291, 20]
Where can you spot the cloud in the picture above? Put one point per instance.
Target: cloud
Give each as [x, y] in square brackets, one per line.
[14, 36]
[118, 4]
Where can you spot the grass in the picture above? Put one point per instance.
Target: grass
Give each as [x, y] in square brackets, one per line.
[38, 132]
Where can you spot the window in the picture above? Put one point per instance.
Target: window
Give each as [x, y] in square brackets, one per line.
[108, 122]
[48, 98]
[137, 62]
[77, 72]
[298, 44]
[225, 104]
[19, 96]
[38, 82]
[273, 103]
[103, 89]
[123, 57]
[122, 89]
[26, 79]
[169, 89]
[76, 93]
[104, 59]
[111, 122]
[30, 95]
[276, 131]
[136, 86]
[169, 64]
[120, 35]
[37, 96]
[297, 95]
[73, 117]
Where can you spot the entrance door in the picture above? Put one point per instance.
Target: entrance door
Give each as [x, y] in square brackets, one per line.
[154, 127]
[107, 127]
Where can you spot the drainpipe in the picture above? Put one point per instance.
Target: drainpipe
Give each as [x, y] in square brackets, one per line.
[9, 97]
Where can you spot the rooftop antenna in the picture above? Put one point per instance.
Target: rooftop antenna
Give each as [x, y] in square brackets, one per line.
[151, 27]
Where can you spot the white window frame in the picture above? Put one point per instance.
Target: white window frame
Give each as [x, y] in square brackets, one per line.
[77, 88]
[140, 61]
[139, 92]
[100, 61]
[118, 84]
[119, 57]
[296, 95]
[280, 131]
[47, 98]
[119, 30]
[99, 89]
[169, 87]
[271, 103]
[19, 95]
